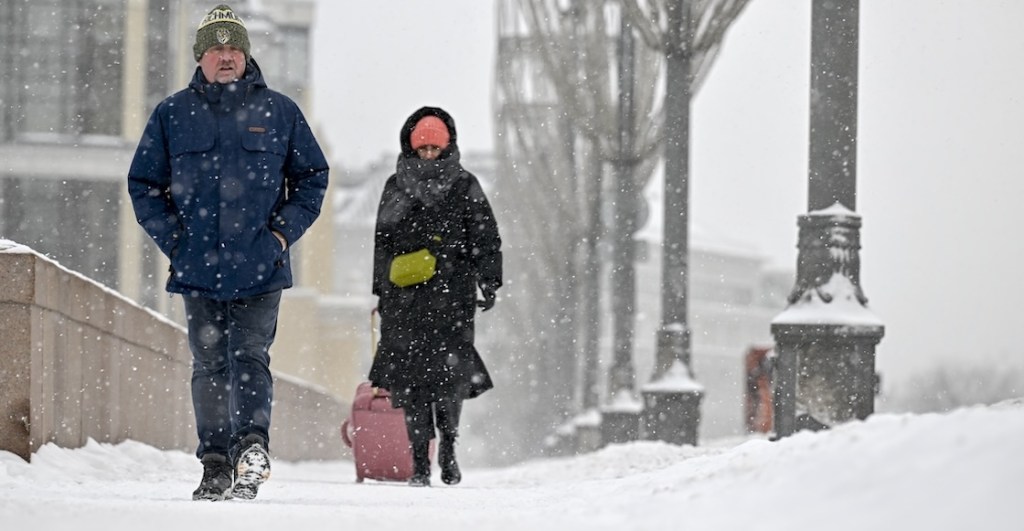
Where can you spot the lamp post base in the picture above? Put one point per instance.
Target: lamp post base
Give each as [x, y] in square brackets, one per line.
[619, 427]
[824, 375]
[588, 439]
[672, 416]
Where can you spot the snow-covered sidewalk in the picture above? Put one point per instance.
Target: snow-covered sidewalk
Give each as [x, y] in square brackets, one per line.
[959, 470]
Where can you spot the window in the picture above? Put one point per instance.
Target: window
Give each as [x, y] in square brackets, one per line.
[62, 60]
[68, 220]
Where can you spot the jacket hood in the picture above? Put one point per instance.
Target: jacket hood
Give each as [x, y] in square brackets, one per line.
[410, 124]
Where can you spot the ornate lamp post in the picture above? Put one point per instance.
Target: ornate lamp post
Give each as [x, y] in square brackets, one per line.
[620, 416]
[672, 397]
[826, 337]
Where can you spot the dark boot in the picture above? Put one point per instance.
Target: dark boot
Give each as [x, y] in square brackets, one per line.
[217, 478]
[450, 473]
[448, 412]
[420, 464]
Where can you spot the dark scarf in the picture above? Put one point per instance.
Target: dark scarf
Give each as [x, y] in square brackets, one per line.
[428, 181]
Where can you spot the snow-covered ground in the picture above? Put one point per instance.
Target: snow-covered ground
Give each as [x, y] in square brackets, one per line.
[954, 471]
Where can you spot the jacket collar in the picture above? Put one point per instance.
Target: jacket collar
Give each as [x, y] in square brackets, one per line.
[253, 77]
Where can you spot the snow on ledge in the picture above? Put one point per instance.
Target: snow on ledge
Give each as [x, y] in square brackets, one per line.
[10, 247]
[7, 246]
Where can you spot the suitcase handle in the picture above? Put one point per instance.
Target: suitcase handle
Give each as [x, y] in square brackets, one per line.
[373, 332]
[345, 435]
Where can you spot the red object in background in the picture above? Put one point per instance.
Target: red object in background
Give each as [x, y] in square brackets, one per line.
[758, 397]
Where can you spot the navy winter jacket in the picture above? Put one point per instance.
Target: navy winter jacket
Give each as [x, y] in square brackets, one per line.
[218, 167]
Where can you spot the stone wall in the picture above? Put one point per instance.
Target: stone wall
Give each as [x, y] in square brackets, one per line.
[79, 361]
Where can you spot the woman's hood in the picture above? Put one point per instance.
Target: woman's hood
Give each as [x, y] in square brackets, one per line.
[427, 181]
[410, 123]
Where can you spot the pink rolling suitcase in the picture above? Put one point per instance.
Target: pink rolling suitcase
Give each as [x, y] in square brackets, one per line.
[376, 433]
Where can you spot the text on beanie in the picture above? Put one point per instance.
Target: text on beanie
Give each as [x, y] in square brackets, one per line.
[221, 26]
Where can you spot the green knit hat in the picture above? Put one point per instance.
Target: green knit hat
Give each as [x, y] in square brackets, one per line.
[221, 26]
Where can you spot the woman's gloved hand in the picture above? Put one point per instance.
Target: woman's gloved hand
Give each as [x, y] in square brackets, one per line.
[490, 295]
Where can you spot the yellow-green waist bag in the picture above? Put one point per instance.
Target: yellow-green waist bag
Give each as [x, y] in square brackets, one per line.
[412, 268]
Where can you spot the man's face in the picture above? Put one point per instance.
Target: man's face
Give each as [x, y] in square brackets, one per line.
[223, 64]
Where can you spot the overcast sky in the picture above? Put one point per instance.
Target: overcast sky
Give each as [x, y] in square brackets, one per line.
[940, 129]
[377, 62]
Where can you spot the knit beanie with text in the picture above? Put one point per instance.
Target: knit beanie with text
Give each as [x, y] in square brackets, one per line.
[221, 26]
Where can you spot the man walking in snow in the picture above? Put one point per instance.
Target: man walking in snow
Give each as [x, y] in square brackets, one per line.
[226, 178]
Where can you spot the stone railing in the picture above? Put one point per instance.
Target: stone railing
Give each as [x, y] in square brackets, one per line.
[79, 361]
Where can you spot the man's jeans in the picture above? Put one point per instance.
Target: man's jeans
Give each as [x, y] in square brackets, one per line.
[231, 384]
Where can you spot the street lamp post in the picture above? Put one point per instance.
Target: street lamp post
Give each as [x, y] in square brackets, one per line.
[672, 397]
[620, 416]
[825, 339]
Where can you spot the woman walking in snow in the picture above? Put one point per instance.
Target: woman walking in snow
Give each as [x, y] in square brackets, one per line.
[436, 242]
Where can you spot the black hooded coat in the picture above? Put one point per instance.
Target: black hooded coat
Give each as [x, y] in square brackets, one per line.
[426, 347]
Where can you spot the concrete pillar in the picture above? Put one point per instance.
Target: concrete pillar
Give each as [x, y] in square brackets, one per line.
[133, 120]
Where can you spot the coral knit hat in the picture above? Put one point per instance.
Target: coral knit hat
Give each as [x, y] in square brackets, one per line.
[429, 131]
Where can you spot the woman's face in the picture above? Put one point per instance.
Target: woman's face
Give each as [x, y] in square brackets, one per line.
[428, 152]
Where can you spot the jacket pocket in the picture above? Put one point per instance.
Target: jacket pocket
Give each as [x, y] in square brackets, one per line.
[257, 263]
[187, 141]
[265, 153]
[260, 139]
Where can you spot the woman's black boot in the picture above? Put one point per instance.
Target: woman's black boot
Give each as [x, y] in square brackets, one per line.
[450, 473]
[420, 464]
